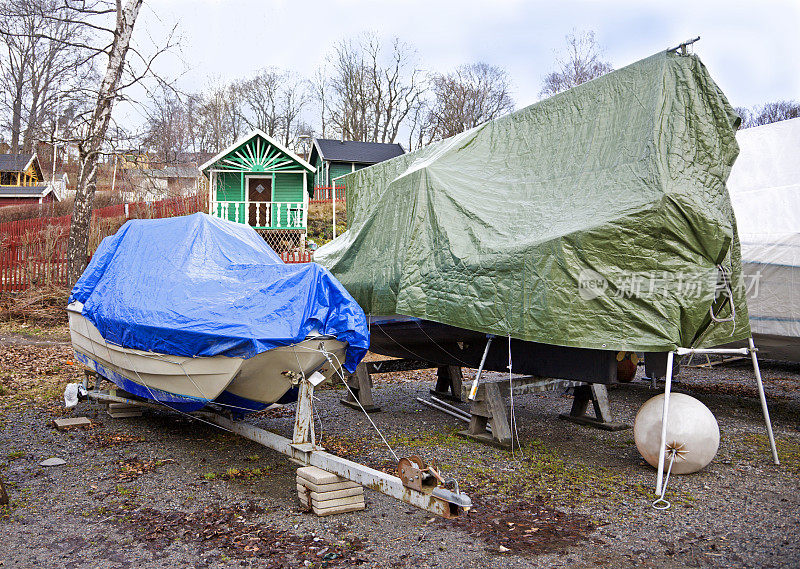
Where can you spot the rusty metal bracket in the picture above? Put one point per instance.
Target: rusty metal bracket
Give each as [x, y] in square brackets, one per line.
[417, 475]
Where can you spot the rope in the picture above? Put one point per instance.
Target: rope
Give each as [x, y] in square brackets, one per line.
[420, 358]
[157, 400]
[353, 395]
[729, 291]
[421, 329]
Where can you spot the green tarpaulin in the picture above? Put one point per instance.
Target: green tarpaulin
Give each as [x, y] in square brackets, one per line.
[597, 218]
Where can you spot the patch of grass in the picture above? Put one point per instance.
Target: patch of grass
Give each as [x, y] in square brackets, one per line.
[674, 497]
[442, 437]
[754, 446]
[232, 473]
[122, 491]
[540, 472]
[15, 454]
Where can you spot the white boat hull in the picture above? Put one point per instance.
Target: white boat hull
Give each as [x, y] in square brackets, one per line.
[236, 383]
[265, 378]
[195, 379]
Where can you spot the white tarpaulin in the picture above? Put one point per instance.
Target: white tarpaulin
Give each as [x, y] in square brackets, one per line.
[765, 190]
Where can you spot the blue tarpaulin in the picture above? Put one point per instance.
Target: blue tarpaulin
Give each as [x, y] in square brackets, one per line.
[202, 286]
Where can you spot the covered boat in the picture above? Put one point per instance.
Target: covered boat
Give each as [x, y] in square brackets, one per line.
[196, 310]
[765, 190]
[591, 223]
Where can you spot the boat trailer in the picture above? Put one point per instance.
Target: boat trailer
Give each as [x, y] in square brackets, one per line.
[417, 484]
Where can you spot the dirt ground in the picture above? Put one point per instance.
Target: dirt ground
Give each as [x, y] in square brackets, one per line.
[163, 490]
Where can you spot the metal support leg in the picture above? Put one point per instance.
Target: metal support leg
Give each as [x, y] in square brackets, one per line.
[661, 451]
[475, 383]
[763, 398]
[439, 500]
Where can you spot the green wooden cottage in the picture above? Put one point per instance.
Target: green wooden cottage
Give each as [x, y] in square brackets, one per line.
[259, 182]
[334, 158]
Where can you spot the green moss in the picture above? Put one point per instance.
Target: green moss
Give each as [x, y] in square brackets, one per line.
[442, 438]
[756, 449]
[538, 471]
[237, 474]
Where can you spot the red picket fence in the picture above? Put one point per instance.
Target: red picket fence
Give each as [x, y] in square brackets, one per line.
[304, 256]
[324, 194]
[34, 251]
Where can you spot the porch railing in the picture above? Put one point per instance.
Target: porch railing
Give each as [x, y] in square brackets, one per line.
[324, 194]
[261, 215]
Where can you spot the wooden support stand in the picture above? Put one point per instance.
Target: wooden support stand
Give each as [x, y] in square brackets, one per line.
[448, 383]
[489, 406]
[597, 395]
[360, 383]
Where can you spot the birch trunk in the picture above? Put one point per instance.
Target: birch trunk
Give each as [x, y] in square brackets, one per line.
[89, 149]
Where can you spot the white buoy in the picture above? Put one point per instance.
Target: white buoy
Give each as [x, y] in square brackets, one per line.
[692, 431]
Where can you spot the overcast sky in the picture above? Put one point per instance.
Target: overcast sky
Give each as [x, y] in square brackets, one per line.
[752, 49]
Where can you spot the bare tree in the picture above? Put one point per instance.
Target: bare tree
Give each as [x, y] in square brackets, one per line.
[580, 63]
[45, 65]
[467, 97]
[260, 96]
[294, 97]
[744, 114]
[234, 110]
[371, 92]
[212, 128]
[320, 93]
[769, 113]
[17, 29]
[92, 127]
[167, 127]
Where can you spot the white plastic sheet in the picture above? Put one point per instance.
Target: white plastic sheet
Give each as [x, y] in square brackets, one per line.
[765, 191]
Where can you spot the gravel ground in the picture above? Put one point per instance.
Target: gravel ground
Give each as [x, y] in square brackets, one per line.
[165, 491]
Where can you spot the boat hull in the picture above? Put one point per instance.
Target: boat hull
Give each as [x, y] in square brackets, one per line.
[189, 384]
[182, 383]
[267, 378]
[440, 344]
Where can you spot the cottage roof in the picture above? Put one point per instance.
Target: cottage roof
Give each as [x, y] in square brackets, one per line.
[352, 151]
[262, 160]
[15, 162]
[26, 191]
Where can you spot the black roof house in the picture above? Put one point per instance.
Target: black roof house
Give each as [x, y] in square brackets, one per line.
[333, 158]
[351, 151]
